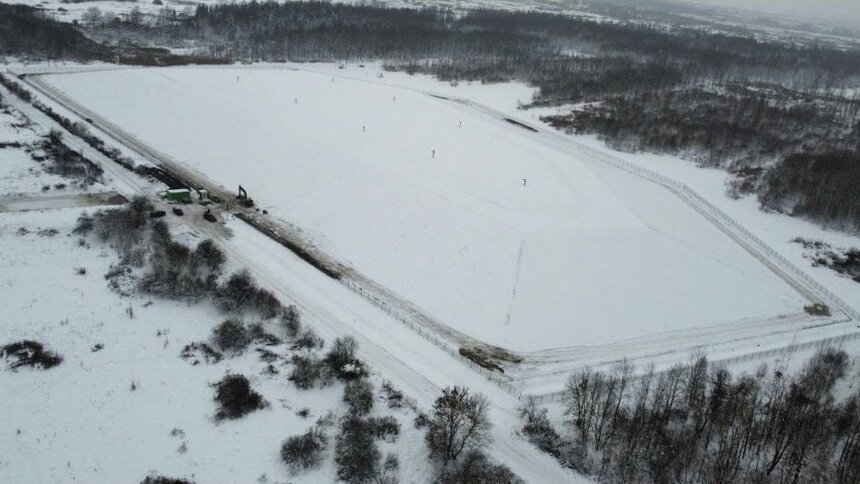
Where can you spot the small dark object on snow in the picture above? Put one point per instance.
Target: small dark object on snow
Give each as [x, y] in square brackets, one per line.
[164, 479]
[157, 214]
[209, 217]
[178, 211]
[97, 347]
[817, 309]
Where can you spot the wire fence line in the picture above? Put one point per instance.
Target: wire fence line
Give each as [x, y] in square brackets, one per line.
[405, 319]
[689, 196]
[699, 203]
[834, 341]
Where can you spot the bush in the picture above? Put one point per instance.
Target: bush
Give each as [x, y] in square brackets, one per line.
[358, 395]
[69, 163]
[196, 351]
[306, 371]
[291, 319]
[240, 293]
[209, 256]
[394, 396]
[237, 294]
[235, 398]
[390, 472]
[122, 227]
[356, 454]
[29, 353]
[231, 335]
[422, 420]
[304, 451]
[386, 428]
[165, 480]
[540, 432]
[307, 339]
[341, 360]
[266, 303]
[84, 225]
[476, 468]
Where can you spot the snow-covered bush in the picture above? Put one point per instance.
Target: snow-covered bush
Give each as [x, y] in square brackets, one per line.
[356, 453]
[476, 468]
[304, 451]
[165, 480]
[235, 398]
[231, 335]
[385, 428]
[240, 293]
[342, 362]
[306, 339]
[540, 432]
[29, 353]
[358, 395]
[291, 319]
[394, 396]
[307, 370]
[390, 472]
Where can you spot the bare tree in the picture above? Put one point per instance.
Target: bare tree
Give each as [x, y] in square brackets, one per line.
[459, 422]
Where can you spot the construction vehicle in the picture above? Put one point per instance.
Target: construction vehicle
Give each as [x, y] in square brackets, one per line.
[244, 199]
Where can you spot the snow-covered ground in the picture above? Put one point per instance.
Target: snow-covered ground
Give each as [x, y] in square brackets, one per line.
[82, 422]
[511, 241]
[71, 313]
[24, 182]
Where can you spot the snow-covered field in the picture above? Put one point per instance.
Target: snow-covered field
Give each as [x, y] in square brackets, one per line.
[512, 241]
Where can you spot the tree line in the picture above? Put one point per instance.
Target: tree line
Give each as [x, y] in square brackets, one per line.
[699, 423]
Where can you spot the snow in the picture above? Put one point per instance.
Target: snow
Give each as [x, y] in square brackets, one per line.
[238, 453]
[23, 181]
[81, 422]
[582, 255]
[777, 230]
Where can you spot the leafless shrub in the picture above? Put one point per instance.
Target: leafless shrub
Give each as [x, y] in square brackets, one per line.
[304, 451]
[235, 398]
[29, 353]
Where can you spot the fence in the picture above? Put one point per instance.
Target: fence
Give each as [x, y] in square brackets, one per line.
[755, 245]
[407, 320]
[835, 341]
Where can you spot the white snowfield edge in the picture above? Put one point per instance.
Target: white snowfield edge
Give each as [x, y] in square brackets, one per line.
[545, 369]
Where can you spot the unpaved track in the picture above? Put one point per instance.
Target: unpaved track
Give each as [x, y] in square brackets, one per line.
[23, 203]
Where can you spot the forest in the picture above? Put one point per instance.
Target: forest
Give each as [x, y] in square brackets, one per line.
[26, 33]
[699, 423]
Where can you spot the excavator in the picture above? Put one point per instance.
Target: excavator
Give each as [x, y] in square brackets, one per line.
[244, 199]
